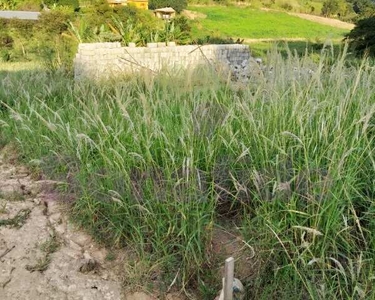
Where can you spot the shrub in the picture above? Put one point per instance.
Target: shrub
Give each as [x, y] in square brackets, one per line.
[178, 5]
[330, 7]
[6, 40]
[6, 44]
[71, 3]
[53, 22]
[68, 3]
[362, 37]
[286, 6]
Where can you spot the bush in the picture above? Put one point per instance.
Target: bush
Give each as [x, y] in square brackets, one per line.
[286, 6]
[6, 44]
[330, 7]
[362, 37]
[6, 40]
[69, 3]
[53, 22]
[178, 5]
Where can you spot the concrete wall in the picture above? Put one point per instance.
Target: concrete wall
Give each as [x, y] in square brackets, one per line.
[101, 60]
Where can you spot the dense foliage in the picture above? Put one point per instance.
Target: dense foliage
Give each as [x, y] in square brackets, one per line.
[178, 5]
[70, 3]
[55, 36]
[362, 37]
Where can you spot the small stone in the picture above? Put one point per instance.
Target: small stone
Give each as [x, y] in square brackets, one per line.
[88, 265]
[75, 246]
[60, 229]
[105, 276]
[55, 218]
[100, 254]
[53, 207]
[81, 239]
[87, 255]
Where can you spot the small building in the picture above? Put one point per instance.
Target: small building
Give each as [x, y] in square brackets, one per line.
[113, 3]
[141, 4]
[165, 13]
[22, 15]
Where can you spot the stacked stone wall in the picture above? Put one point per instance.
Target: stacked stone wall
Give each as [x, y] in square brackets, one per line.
[101, 60]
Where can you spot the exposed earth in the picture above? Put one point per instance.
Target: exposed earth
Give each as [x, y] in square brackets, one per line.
[325, 21]
[42, 255]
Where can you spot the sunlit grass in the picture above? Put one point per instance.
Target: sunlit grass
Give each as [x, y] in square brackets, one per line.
[156, 162]
[246, 22]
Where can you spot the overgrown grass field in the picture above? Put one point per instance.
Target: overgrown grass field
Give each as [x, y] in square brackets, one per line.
[246, 22]
[157, 163]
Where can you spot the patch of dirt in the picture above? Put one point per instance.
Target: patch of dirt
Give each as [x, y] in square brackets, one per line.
[42, 255]
[318, 19]
[226, 244]
[192, 15]
[266, 40]
[325, 21]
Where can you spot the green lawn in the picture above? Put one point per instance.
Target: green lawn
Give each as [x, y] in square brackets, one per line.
[242, 22]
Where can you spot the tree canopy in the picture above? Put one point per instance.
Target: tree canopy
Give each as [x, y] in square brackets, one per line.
[178, 5]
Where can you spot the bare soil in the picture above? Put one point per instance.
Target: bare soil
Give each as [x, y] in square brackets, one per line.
[42, 255]
[325, 21]
[319, 19]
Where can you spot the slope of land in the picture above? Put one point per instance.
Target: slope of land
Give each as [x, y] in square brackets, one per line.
[325, 21]
[251, 23]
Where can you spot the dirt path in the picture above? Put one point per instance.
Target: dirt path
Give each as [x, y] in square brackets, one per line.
[325, 21]
[318, 19]
[42, 256]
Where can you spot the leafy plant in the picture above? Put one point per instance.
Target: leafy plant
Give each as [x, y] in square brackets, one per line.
[178, 5]
[362, 37]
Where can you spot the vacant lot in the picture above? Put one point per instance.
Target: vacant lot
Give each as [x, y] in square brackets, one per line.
[173, 168]
[245, 22]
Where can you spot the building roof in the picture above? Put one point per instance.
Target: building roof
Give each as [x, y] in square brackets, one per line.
[165, 10]
[23, 15]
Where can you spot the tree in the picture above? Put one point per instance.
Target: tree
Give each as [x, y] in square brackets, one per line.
[7, 4]
[330, 7]
[69, 3]
[362, 37]
[178, 5]
[364, 8]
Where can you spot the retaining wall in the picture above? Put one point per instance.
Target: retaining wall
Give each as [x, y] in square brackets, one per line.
[101, 60]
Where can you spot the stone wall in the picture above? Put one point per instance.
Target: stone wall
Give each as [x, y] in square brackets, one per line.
[103, 60]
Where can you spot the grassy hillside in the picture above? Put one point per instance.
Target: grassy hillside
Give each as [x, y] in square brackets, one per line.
[245, 22]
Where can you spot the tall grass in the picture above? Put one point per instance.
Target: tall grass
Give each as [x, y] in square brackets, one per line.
[156, 162]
